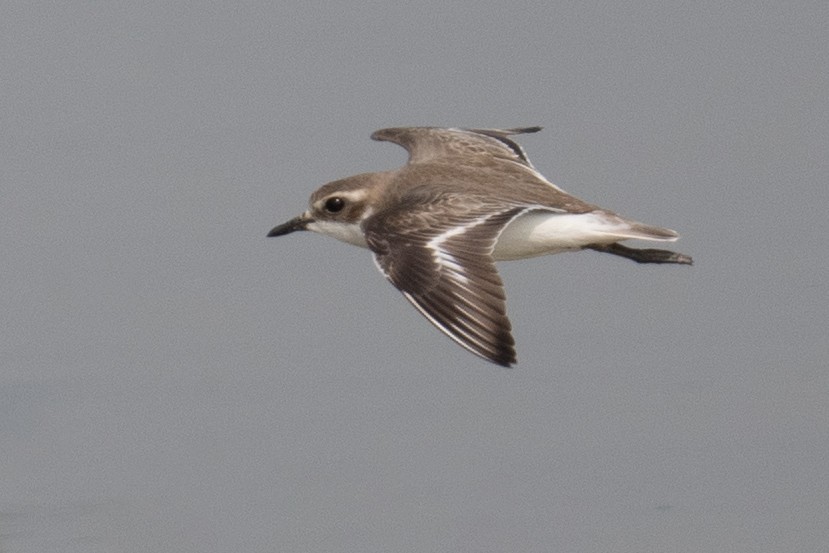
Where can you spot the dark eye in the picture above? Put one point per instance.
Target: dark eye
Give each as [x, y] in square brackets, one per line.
[335, 204]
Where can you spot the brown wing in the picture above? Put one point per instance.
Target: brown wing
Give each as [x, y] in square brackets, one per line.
[431, 143]
[444, 267]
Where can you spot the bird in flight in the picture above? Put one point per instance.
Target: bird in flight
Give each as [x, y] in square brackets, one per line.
[465, 199]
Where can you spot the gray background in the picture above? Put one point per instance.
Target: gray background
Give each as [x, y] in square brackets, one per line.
[174, 381]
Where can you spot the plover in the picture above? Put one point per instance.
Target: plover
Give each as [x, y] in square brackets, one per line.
[465, 199]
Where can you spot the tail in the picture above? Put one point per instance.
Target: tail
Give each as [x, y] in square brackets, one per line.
[627, 230]
[650, 232]
[614, 228]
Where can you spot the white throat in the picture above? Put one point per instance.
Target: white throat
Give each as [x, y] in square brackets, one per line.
[346, 232]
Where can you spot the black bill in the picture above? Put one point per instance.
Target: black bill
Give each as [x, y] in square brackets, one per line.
[297, 223]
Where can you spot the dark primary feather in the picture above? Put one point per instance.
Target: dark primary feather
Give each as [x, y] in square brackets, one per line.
[450, 278]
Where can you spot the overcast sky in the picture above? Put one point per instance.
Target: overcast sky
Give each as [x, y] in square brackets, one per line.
[172, 380]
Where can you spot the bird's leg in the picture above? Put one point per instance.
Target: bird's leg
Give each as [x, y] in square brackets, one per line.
[644, 255]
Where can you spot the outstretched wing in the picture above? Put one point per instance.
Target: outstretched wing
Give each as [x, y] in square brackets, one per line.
[432, 143]
[443, 265]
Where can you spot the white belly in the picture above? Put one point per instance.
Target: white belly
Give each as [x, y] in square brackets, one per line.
[540, 233]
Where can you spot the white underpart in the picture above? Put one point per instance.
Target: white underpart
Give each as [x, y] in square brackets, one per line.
[538, 233]
[347, 232]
